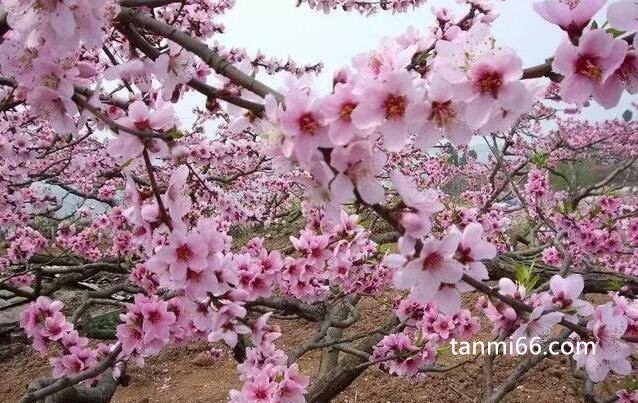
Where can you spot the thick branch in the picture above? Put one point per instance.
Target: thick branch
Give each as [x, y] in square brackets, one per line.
[61, 384]
[101, 392]
[596, 282]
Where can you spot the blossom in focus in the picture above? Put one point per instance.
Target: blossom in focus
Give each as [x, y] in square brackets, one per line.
[336, 110]
[184, 251]
[587, 66]
[472, 249]
[441, 114]
[493, 81]
[383, 105]
[571, 15]
[303, 125]
[565, 296]
[434, 268]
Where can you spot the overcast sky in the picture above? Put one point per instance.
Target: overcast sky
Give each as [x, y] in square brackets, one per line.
[278, 28]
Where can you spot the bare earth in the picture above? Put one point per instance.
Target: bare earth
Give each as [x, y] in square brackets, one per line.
[178, 375]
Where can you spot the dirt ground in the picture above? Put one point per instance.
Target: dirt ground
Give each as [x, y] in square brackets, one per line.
[179, 375]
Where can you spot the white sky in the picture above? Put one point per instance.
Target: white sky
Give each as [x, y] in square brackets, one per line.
[278, 28]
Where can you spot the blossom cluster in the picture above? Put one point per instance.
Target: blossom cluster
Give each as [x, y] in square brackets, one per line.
[267, 376]
[46, 326]
[425, 330]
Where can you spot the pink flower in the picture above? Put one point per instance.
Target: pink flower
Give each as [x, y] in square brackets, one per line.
[72, 339]
[34, 316]
[135, 71]
[565, 296]
[293, 387]
[177, 203]
[262, 332]
[508, 287]
[537, 325]
[199, 281]
[598, 367]
[421, 206]
[571, 15]
[315, 246]
[608, 327]
[467, 326]
[434, 268]
[139, 117]
[383, 105]
[182, 252]
[357, 165]
[623, 15]
[625, 77]
[551, 256]
[303, 125]
[59, 108]
[610, 353]
[76, 361]
[55, 326]
[407, 359]
[63, 24]
[226, 327]
[444, 326]
[626, 396]
[42, 322]
[260, 390]
[157, 319]
[587, 66]
[243, 119]
[317, 187]
[174, 68]
[336, 110]
[441, 114]
[472, 249]
[493, 83]
[146, 327]
[537, 184]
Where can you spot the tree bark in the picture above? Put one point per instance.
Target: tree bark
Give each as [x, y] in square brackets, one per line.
[596, 282]
[101, 392]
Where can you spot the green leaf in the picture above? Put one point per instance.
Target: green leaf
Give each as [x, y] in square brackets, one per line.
[524, 275]
[564, 208]
[614, 32]
[443, 348]
[615, 284]
[630, 383]
[540, 159]
[175, 134]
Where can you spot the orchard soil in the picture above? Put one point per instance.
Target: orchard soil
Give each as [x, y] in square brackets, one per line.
[180, 375]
